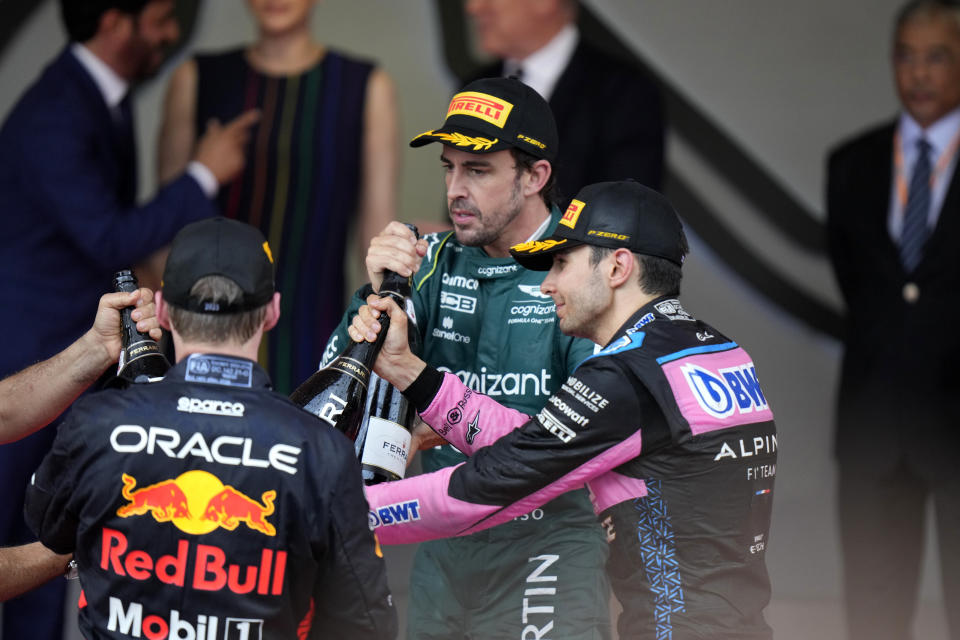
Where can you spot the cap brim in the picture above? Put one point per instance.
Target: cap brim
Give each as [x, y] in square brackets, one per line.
[461, 138]
[537, 255]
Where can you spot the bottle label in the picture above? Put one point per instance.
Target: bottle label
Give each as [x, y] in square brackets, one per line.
[387, 446]
[137, 350]
[351, 367]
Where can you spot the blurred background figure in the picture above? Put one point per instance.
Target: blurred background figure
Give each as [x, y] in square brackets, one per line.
[893, 205]
[69, 220]
[608, 113]
[322, 161]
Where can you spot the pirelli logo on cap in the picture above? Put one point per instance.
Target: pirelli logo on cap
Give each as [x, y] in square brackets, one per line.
[480, 105]
[573, 212]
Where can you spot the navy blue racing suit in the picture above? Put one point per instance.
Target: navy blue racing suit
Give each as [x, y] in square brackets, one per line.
[207, 506]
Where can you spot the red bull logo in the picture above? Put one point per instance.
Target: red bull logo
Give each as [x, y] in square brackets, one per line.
[198, 502]
[203, 567]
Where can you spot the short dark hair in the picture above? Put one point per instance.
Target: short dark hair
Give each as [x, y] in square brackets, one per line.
[658, 276]
[524, 162]
[216, 327]
[915, 8]
[82, 17]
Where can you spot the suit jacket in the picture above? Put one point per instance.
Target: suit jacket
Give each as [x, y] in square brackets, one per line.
[69, 219]
[610, 120]
[900, 381]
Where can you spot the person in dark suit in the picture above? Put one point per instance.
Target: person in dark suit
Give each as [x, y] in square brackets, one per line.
[609, 114]
[893, 219]
[69, 218]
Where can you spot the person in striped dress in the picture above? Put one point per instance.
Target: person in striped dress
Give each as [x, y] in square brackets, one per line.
[322, 160]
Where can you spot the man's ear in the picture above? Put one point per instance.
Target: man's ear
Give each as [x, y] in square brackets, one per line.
[163, 311]
[272, 316]
[622, 267]
[536, 177]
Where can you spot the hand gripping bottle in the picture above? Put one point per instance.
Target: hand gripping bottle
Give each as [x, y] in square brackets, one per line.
[338, 394]
[383, 445]
[141, 359]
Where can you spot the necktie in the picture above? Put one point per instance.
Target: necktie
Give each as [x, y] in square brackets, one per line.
[126, 149]
[914, 233]
[513, 69]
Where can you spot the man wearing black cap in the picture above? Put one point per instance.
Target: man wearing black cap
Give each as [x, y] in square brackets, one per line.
[667, 424]
[484, 318]
[205, 505]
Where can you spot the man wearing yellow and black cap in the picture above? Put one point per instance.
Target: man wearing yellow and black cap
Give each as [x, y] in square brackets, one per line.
[667, 424]
[484, 318]
[206, 505]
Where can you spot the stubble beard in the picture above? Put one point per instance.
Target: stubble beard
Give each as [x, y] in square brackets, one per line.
[483, 235]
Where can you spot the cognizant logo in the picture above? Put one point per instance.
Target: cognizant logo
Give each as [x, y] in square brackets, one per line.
[505, 384]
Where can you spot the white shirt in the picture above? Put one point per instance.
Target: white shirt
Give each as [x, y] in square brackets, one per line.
[113, 88]
[542, 68]
[942, 136]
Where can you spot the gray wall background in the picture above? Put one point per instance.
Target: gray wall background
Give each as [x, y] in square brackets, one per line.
[785, 80]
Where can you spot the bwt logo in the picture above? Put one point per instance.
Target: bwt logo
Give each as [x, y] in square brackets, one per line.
[728, 390]
[398, 513]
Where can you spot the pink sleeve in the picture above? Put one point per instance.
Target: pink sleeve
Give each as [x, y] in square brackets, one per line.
[455, 415]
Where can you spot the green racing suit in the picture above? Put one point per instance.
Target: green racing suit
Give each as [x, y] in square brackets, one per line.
[542, 574]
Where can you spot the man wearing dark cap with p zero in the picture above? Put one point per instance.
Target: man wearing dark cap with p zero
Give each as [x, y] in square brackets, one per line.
[205, 505]
[484, 318]
[667, 424]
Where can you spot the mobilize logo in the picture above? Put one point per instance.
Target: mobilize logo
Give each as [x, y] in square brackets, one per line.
[210, 407]
[398, 513]
[462, 282]
[131, 622]
[729, 390]
[457, 302]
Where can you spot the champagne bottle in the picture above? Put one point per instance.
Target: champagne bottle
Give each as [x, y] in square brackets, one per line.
[141, 359]
[383, 445]
[338, 393]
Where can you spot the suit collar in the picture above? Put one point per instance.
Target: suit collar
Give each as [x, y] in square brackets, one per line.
[112, 87]
[542, 68]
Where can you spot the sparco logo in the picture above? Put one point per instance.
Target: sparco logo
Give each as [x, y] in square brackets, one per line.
[460, 281]
[497, 271]
[211, 407]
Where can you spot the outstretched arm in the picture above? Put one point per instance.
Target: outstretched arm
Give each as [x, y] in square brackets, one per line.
[32, 398]
[27, 567]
